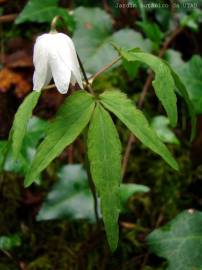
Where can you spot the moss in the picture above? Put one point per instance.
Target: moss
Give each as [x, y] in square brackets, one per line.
[41, 263]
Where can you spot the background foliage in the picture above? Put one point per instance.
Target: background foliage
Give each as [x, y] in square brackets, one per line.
[52, 224]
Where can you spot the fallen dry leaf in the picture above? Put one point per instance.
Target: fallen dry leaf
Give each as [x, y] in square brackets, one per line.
[2, 1]
[10, 79]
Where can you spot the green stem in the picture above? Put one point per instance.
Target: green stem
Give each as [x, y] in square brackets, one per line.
[88, 85]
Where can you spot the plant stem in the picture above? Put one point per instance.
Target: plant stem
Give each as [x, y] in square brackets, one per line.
[54, 23]
[92, 78]
[88, 85]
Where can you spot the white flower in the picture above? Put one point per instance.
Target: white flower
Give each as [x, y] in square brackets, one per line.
[55, 56]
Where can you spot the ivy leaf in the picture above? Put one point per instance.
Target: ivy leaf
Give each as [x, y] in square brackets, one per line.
[70, 196]
[180, 241]
[104, 152]
[35, 132]
[9, 242]
[72, 190]
[163, 84]
[93, 35]
[160, 124]
[44, 11]
[72, 118]
[136, 122]
[21, 119]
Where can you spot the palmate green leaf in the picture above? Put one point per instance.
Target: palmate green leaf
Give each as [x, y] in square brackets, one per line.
[191, 73]
[104, 152]
[163, 84]
[183, 91]
[94, 34]
[44, 11]
[72, 118]
[70, 197]
[180, 241]
[176, 64]
[135, 120]
[151, 30]
[21, 119]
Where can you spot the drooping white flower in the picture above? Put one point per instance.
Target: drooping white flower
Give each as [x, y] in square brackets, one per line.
[55, 56]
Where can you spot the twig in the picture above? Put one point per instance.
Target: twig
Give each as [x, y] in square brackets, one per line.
[70, 154]
[12, 258]
[145, 89]
[169, 40]
[92, 78]
[8, 18]
[131, 138]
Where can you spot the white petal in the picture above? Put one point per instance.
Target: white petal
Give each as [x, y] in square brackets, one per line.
[73, 79]
[42, 74]
[67, 53]
[61, 73]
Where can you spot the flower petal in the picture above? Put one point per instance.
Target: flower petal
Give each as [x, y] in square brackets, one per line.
[73, 79]
[67, 53]
[61, 74]
[42, 74]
